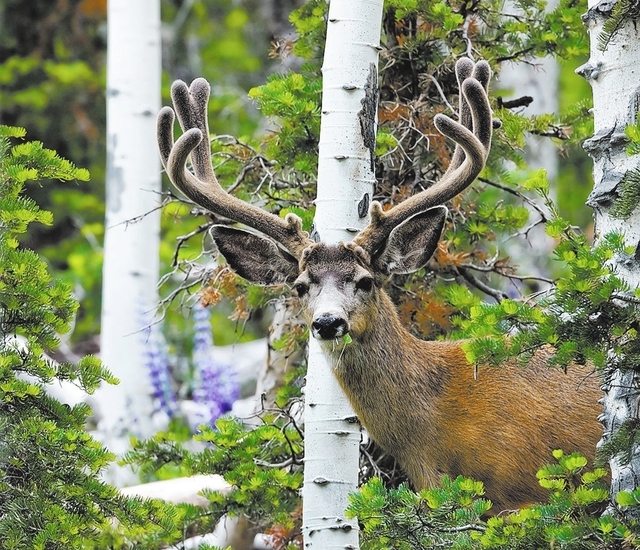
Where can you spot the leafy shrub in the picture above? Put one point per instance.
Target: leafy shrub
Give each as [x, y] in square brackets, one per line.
[454, 514]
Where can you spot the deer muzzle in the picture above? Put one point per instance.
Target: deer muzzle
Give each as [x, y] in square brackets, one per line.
[329, 327]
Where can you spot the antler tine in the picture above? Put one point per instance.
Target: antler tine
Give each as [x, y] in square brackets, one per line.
[164, 132]
[203, 187]
[474, 144]
[482, 73]
[464, 70]
[190, 104]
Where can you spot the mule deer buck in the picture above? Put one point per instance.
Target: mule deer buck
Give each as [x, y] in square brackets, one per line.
[419, 400]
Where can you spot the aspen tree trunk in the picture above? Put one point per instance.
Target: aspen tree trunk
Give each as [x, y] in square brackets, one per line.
[345, 186]
[131, 263]
[614, 75]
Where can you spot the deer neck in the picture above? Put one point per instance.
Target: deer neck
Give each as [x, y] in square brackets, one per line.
[383, 346]
[389, 376]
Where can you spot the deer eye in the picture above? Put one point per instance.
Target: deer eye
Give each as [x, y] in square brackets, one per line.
[365, 284]
[300, 289]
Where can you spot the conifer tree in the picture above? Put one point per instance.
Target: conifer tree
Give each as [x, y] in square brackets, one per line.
[51, 495]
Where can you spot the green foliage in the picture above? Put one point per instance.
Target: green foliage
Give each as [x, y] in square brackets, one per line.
[25, 278]
[621, 443]
[311, 25]
[633, 134]
[263, 464]
[582, 316]
[453, 515]
[567, 520]
[622, 11]
[50, 493]
[295, 100]
[629, 187]
[530, 32]
[628, 195]
[399, 518]
[627, 499]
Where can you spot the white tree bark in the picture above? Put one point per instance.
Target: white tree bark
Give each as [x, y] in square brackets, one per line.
[614, 75]
[345, 186]
[131, 263]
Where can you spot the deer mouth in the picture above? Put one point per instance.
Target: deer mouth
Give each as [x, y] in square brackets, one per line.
[329, 327]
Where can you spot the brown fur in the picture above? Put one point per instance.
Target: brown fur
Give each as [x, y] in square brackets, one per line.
[422, 403]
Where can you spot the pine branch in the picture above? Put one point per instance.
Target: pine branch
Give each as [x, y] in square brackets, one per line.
[628, 195]
[622, 11]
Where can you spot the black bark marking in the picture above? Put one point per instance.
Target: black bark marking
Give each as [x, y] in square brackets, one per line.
[606, 191]
[314, 235]
[363, 206]
[634, 106]
[367, 114]
[636, 254]
[602, 9]
[607, 142]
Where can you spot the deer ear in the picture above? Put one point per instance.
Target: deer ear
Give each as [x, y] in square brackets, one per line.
[411, 244]
[255, 258]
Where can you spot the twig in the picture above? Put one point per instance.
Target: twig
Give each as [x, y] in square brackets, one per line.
[626, 298]
[168, 197]
[497, 295]
[441, 92]
[465, 37]
[514, 55]
[282, 464]
[469, 527]
[530, 202]
[182, 239]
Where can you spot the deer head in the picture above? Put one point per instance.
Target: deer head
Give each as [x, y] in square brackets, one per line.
[339, 284]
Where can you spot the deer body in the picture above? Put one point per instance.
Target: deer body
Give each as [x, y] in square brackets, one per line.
[435, 418]
[419, 400]
[422, 402]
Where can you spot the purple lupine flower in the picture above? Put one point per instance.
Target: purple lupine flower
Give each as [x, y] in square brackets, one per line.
[157, 362]
[217, 384]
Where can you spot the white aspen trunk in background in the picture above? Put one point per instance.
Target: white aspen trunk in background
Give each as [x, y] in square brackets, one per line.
[614, 75]
[131, 249]
[345, 186]
[540, 81]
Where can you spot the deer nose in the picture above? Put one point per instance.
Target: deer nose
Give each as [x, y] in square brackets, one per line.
[328, 327]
